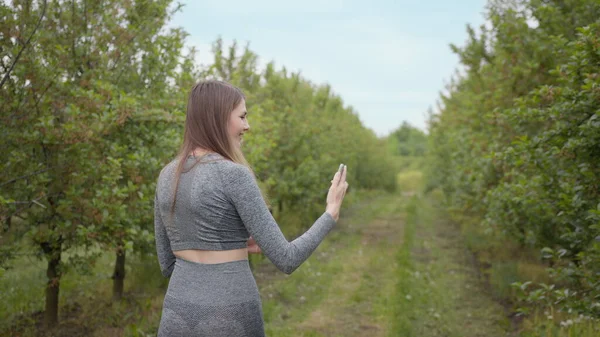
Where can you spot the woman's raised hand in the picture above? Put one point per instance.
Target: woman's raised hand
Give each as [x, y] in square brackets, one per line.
[336, 193]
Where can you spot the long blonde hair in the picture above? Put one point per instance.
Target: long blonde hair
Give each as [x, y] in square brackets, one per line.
[209, 107]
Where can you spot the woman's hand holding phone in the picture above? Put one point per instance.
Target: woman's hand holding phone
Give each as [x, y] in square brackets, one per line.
[253, 247]
[337, 192]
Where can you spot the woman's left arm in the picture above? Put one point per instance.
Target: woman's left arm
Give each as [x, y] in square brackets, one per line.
[245, 195]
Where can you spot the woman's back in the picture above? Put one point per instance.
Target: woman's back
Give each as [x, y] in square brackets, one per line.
[204, 217]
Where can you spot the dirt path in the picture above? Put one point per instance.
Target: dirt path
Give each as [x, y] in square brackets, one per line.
[342, 287]
[348, 308]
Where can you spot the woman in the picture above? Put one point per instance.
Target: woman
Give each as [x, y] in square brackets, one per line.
[210, 213]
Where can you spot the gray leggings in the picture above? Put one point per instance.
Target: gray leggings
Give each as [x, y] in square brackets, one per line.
[212, 300]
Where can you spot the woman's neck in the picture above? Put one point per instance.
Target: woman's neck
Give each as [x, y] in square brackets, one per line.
[199, 152]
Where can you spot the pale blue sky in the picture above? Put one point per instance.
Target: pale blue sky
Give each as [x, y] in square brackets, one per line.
[388, 59]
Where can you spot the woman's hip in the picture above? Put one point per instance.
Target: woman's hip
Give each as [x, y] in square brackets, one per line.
[226, 282]
[212, 300]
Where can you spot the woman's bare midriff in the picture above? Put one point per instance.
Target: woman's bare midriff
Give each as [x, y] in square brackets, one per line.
[212, 256]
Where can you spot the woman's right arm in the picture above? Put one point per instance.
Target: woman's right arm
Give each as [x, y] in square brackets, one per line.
[245, 195]
[166, 258]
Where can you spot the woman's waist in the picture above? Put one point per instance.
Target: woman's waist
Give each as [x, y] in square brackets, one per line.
[212, 256]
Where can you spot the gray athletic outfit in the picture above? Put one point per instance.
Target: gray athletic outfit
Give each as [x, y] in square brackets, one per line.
[219, 205]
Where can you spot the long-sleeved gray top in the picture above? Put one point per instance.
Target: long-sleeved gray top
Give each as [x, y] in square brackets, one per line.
[219, 205]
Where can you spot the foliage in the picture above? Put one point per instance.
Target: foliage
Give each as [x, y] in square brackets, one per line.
[88, 109]
[408, 141]
[516, 143]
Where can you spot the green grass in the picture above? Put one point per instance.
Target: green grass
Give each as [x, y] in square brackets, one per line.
[438, 292]
[556, 324]
[22, 289]
[289, 300]
[502, 262]
[409, 181]
[401, 303]
[84, 300]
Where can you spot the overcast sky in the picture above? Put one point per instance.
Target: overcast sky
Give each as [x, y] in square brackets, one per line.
[387, 59]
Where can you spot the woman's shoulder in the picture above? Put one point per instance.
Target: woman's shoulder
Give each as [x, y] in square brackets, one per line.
[168, 168]
[231, 169]
[227, 169]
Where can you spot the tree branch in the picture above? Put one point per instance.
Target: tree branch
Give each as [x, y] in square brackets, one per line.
[25, 46]
[36, 201]
[23, 177]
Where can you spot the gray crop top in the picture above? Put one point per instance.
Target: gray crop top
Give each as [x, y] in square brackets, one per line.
[219, 205]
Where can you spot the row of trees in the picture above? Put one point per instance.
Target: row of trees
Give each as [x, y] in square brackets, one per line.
[516, 143]
[93, 96]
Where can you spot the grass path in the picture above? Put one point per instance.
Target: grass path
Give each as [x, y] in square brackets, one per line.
[350, 306]
[447, 296]
[327, 293]
[393, 268]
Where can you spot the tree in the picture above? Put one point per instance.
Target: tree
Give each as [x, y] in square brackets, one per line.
[97, 81]
[515, 145]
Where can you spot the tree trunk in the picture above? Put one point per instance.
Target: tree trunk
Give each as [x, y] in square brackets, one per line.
[8, 224]
[53, 254]
[119, 274]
